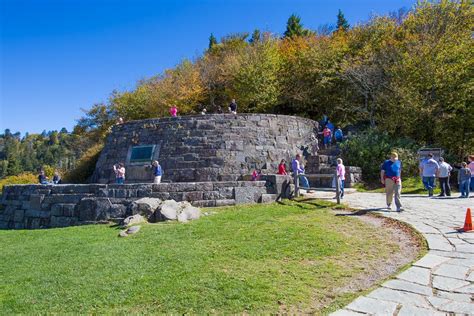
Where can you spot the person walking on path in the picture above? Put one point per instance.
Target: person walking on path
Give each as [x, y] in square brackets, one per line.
[443, 177]
[174, 111]
[428, 171]
[390, 176]
[282, 168]
[157, 172]
[327, 134]
[233, 107]
[464, 180]
[299, 170]
[471, 167]
[119, 170]
[341, 176]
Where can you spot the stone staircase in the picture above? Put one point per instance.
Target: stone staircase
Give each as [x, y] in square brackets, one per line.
[320, 169]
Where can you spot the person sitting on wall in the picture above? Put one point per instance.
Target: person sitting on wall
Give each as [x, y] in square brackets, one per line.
[233, 107]
[204, 111]
[299, 170]
[282, 168]
[256, 175]
[56, 177]
[119, 170]
[157, 172]
[42, 178]
[174, 111]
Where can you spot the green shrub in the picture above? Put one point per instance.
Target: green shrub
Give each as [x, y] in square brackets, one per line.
[85, 166]
[370, 148]
[23, 178]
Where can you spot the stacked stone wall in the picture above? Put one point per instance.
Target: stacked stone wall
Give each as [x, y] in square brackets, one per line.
[218, 147]
[45, 206]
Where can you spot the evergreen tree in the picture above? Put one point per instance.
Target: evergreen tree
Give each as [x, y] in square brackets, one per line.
[256, 36]
[342, 23]
[294, 27]
[212, 41]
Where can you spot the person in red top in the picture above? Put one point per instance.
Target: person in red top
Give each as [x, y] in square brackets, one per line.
[282, 168]
[327, 137]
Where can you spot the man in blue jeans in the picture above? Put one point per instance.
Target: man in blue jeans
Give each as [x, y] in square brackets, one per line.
[429, 171]
[297, 168]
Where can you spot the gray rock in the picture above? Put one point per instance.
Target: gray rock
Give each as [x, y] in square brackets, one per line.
[190, 211]
[169, 210]
[134, 219]
[145, 206]
[133, 230]
[123, 233]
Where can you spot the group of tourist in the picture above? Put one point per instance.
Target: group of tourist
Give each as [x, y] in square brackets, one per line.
[430, 169]
[119, 170]
[43, 179]
[232, 109]
[328, 132]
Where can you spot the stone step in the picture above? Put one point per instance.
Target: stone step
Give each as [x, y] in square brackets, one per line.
[268, 198]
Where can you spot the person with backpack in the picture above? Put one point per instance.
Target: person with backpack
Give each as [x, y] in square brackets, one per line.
[338, 135]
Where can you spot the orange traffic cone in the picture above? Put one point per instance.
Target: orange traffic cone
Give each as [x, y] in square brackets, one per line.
[467, 222]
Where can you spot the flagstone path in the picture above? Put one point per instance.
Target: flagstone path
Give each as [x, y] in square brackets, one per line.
[442, 282]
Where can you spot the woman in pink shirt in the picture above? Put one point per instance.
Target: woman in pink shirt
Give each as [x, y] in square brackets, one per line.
[341, 175]
[471, 167]
[174, 111]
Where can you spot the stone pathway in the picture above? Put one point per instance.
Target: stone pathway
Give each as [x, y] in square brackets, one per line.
[442, 282]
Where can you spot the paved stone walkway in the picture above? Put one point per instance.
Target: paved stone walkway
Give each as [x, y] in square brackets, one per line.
[442, 282]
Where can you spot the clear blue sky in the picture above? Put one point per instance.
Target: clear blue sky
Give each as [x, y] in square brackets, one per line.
[63, 55]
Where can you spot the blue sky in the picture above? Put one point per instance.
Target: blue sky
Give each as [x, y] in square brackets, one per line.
[57, 57]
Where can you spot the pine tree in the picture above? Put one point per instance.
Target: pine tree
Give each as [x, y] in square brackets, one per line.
[294, 26]
[212, 41]
[256, 36]
[342, 23]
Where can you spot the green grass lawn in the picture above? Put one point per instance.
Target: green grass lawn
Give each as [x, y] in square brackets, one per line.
[253, 259]
[411, 185]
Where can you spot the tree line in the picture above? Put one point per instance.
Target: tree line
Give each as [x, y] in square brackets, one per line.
[407, 75]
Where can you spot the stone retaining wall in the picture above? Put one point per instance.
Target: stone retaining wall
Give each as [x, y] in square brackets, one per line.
[45, 206]
[216, 147]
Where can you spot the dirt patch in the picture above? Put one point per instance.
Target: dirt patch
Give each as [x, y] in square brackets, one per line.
[411, 244]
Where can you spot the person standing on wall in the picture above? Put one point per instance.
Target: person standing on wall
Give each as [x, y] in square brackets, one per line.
[174, 111]
[119, 170]
[157, 172]
[428, 171]
[390, 176]
[443, 176]
[233, 107]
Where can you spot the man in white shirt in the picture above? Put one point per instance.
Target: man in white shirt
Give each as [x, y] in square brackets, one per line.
[444, 172]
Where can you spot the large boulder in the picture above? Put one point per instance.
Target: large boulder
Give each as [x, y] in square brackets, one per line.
[169, 210]
[190, 211]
